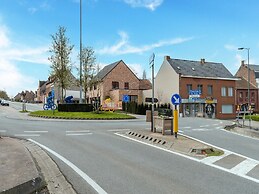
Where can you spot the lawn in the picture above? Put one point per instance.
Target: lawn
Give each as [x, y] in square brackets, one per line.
[81, 115]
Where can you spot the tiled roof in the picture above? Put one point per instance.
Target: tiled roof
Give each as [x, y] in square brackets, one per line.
[243, 84]
[199, 69]
[254, 67]
[145, 84]
[106, 70]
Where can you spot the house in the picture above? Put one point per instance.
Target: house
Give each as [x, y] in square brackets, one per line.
[45, 88]
[116, 80]
[206, 88]
[242, 87]
[25, 96]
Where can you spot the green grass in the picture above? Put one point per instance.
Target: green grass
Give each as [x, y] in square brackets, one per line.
[25, 111]
[82, 115]
[215, 153]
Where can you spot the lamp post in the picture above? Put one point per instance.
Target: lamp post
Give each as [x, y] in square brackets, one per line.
[248, 82]
[80, 70]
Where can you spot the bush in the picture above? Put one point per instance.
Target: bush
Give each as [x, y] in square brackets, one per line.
[75, 107]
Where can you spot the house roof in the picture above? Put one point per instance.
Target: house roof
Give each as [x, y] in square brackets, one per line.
[243, 84]
[107, 69]
[200, 69]
[254, 67]
[145, 84]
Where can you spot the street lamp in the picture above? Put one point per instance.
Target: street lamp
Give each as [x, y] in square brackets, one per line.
[248, 83]
[80, 55]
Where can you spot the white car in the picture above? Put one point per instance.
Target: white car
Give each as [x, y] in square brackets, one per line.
[4, 103]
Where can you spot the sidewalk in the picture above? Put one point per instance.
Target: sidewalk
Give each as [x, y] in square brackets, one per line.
[26, 168]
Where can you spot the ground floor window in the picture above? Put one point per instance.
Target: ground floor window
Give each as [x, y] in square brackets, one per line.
[199, 110]
[227, 109]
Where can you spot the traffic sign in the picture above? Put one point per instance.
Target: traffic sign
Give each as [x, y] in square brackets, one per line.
[176, 99]
[126, 98]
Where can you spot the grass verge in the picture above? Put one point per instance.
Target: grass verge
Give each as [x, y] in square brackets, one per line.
[81, 115]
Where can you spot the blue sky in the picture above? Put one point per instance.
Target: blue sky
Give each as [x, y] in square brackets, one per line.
[130, 30]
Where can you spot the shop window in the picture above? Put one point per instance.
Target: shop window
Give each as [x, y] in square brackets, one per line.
[115, 85]
[210, 89]
[134, 98]
[223, 91]
[126, 85]
[227, 109]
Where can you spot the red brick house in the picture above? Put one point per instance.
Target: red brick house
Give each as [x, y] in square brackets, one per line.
[116, 80]
[242, 87]
[207, 89]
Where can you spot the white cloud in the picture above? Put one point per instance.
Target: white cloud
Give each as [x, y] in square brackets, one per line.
[231, 47]
[11, 79]
[137, 69]
[149, 4]
[123, 46]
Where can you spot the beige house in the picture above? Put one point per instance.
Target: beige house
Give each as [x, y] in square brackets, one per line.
[116, 80]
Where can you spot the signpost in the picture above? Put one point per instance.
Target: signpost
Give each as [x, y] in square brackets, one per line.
[176, 100]
[126, 99]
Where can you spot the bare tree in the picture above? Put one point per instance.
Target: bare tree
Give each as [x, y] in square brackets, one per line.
[60, 59]
[88, 68]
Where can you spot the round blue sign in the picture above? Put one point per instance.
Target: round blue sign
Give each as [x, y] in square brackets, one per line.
[176, 99]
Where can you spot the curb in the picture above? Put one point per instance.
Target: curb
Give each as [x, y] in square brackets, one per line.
[28, 187]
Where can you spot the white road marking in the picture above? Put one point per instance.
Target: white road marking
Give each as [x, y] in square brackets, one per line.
[244, 167]
[200, 129]
[114, 130]
[185, 127]
[204, 125]
[213, 159]
[90, 181]
[215, 124]
[206, 162]
[254, 138]
[78, 131]
[26, 135]
[35, 131]
[2, 131]
[78, 134]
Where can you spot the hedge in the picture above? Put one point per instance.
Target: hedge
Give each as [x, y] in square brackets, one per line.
[75, 107]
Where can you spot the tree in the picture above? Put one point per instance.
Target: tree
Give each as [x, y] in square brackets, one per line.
[144, 75]
[3, 95]
[60, 59]
[88, 67]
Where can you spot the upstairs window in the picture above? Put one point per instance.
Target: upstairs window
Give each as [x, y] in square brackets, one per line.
[189, 87]
[223, 91]
[210, 89]
[230, 91]
[126, 85]
[115, 85]
[200, 88]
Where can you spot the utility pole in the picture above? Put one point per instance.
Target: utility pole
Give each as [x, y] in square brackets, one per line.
[151, 63]
[80, 70]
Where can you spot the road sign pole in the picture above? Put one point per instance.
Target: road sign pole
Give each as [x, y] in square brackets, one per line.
[175, 121]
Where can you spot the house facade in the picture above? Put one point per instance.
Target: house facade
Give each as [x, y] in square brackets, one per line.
[116, 80]
[242, 87]
[207, 89]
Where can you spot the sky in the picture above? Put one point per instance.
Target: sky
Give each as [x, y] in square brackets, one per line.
[128, 30]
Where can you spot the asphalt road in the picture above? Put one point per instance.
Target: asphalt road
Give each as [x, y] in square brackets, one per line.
[119, 165]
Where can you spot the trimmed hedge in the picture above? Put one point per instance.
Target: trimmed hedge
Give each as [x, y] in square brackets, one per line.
[133, 107]
[75, 107]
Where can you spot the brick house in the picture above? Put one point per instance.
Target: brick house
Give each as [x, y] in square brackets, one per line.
[27, 96]
[116, 80]
[242, 86]
[206, 88]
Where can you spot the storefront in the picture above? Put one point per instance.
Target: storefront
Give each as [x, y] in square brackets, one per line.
[199, 107]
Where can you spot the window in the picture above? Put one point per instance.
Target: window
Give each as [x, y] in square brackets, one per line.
[252, 96]
[223, 91]
[126, 85]
[189, 87]
[134, 98]
[200, 88]
[115, 85]
[241, 95]
[227, 109]
[230, 91]
[210, 90]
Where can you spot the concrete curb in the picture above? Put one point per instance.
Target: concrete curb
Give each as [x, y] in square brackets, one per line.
[55, 180]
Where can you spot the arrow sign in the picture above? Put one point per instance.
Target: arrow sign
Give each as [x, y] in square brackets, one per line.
[176, 99]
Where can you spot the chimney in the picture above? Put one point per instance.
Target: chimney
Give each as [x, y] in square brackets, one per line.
[202, 61]
[167, 58]
[243, 62]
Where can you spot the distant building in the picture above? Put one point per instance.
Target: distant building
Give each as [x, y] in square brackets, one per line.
[25, 96]
[207, 88]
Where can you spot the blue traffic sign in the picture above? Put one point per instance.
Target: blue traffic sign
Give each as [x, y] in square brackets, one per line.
[176, 99]
[126, 98]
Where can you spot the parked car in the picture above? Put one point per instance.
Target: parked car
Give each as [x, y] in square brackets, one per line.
[4, 103]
